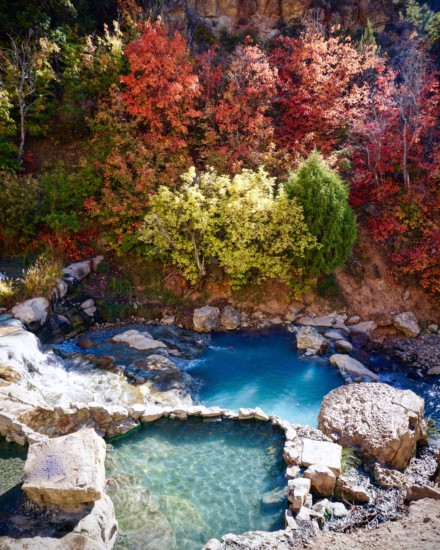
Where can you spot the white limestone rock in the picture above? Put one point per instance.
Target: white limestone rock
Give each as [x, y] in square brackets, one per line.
[206, 319]
[322, 479]
[323, 453]
[297, 491]
[151, 413]
[66, 472]
[141, 341]
[32, 311]
[347, 364]
[323, 321]
[308, 338]
[407, 323]
[382, 423]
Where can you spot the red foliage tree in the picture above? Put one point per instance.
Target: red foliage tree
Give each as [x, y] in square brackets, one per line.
[142, 129]
[238, 99]
[322, 83]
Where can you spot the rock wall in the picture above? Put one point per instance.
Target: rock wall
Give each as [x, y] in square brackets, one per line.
[263, 16]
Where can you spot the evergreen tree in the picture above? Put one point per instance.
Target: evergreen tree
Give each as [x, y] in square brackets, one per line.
[324, 198]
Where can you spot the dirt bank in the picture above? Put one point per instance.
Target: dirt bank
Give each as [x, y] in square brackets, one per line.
[419, 530]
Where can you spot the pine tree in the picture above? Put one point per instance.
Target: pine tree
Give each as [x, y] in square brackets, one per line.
[324, 198]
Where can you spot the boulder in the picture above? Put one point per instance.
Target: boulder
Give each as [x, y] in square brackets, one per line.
[322, 480]
[308, 338]
[230, 318]
[323, 453]
[297, 492]
[66, 472]
[293, 310]
[365, 328]
[89, 308]
[338, 510]
[78, 270]
[407, 323]
[33, 311]
[382, 423]
[323, 321]
[142, 341]
[347, 364]
[96, 529]
[389, 479]
[342, 346]
[348, 491]
[433, 371]
[206, 319]
[433, 328]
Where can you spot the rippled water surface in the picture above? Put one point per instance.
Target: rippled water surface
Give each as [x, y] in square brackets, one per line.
[177, 484]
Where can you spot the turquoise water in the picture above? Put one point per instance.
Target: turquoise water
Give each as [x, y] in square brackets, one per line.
[238, 369]
[176, 484]
[263, 369]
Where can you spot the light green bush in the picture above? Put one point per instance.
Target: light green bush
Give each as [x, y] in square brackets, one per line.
[243, 222]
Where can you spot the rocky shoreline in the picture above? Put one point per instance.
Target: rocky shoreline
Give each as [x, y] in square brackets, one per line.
[383, 425]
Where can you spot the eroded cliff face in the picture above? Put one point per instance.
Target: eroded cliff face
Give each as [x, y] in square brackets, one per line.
[264, 16]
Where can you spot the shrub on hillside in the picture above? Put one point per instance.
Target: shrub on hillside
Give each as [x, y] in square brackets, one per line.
[324, 199]
[243, 222]
[18, 209]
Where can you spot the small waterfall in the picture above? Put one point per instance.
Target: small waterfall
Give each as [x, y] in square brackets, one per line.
[59, 381]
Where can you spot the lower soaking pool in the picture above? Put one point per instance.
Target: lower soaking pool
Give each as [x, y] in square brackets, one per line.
[177, 484]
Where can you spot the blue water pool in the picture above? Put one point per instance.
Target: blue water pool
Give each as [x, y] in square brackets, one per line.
[263, 369]
[177, 484]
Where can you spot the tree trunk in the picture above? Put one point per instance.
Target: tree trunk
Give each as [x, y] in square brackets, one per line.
[22, 132]
[405, 158]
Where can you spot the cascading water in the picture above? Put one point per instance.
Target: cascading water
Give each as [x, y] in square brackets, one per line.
[57, 381]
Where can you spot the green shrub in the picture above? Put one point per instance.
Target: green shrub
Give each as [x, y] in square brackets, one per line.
[349, 460]
[329, 218]
[327, 287]
[18, 209]
[255, 232]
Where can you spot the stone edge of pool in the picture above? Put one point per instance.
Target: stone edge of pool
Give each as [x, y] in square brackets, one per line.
[65, 475]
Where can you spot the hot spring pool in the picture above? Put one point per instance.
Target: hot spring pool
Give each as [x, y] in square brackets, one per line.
[176, 484]
[263, 369]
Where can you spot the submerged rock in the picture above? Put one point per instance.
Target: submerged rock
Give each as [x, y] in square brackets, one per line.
[66, 472]
[87, 343]
[206, 319]
[308, 338]
[141, 341]
[351, 366]
[382, 423]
